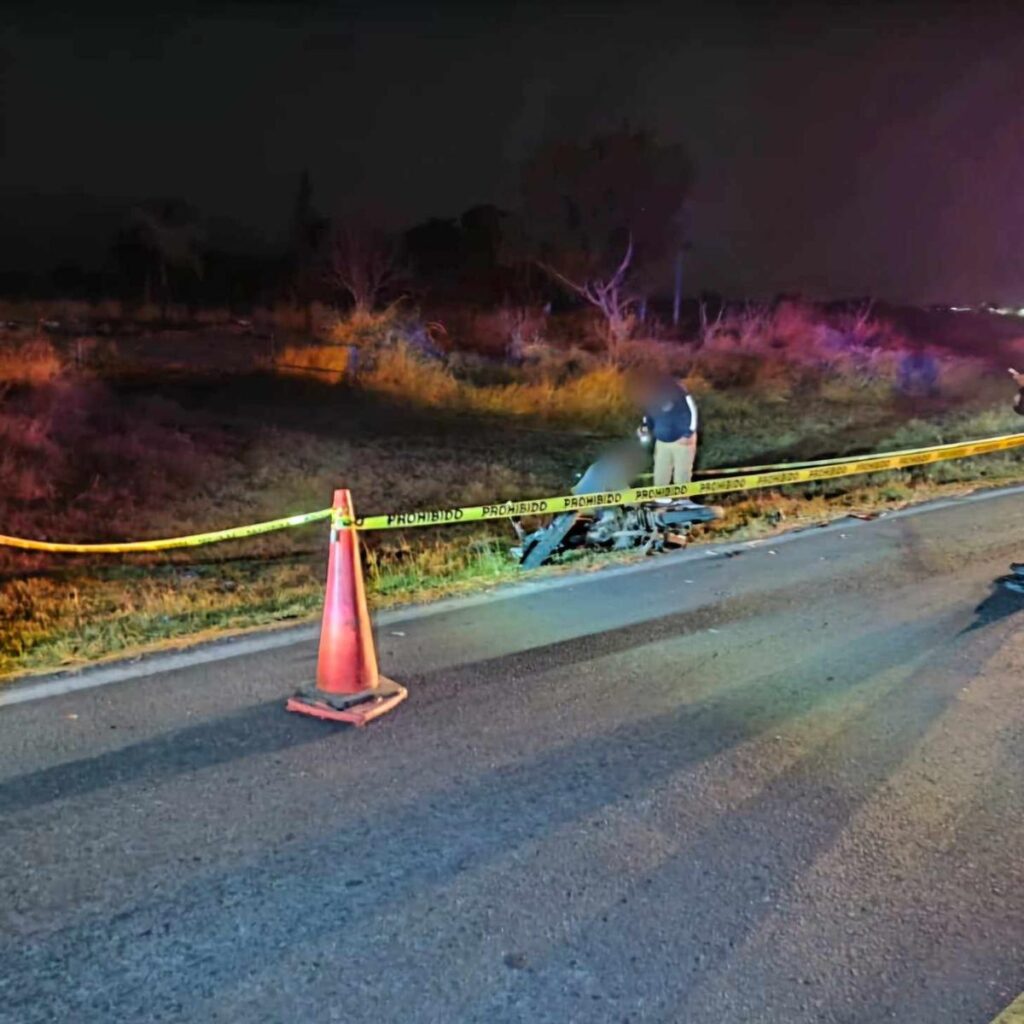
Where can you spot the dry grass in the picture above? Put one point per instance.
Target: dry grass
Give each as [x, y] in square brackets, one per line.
[413, 429]
[789, 353]
[394, 367]
[597, 399]
[84, 476]
[33, 361]
[401, 374]
[334, 363]
[49, 621]
[81, 615]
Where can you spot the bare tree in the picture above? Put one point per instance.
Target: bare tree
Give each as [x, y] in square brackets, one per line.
[361, 262]
[709, 327]
[860, 320]
[169, 233]
[609, 296]
[606, 219]
[522, 326]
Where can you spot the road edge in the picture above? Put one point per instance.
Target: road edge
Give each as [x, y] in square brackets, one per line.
[241, 644]
[1013, 1014]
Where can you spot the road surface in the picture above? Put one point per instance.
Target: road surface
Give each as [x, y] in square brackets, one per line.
[784, 786]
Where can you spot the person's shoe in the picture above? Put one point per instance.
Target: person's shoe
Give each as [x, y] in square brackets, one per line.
[1017, 568]
[1016, 584]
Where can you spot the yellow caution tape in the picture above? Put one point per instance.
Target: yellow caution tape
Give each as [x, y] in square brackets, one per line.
[757, 479]
[797, 464]
[191, 541]
[631, 496]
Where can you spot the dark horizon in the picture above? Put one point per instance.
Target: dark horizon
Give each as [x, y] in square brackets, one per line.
[870, 151]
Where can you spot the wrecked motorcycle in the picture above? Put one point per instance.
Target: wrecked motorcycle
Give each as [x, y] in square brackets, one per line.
[648, 526]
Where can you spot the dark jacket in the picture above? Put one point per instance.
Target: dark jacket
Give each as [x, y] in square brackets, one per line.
[672, 414]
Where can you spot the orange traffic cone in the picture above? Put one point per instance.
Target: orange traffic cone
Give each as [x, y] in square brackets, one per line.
[348, 686]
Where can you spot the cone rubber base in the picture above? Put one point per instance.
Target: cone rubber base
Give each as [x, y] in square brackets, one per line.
[354, 708]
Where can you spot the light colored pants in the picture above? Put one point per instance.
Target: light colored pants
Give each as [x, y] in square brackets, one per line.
[673, 461]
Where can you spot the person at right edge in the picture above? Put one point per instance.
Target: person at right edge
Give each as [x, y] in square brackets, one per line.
[1016, 581]
[670, 418]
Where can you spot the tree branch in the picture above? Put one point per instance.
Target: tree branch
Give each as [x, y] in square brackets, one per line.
[579, 289]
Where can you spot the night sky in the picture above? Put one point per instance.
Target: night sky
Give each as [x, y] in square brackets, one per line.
[839, 149]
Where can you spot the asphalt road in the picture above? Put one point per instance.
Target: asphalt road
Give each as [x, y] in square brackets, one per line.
[785, 786]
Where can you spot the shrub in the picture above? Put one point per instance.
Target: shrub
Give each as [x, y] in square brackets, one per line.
[34, 361]
[403, 373]
[364, 328]
[355, 343]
